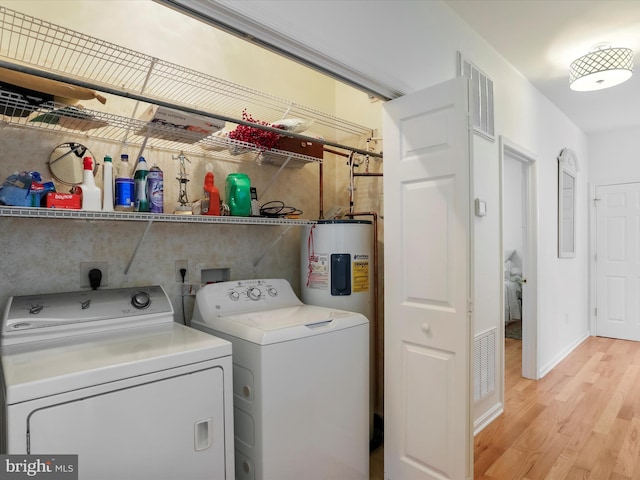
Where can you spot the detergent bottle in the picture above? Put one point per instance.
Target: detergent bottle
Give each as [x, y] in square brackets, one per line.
[211, 195]
[238, 194]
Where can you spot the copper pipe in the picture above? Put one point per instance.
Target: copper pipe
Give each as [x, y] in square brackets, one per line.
[335, 152]
[321, 199]
[376, 334]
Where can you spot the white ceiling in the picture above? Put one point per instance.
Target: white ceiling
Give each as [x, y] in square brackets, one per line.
[541, 38]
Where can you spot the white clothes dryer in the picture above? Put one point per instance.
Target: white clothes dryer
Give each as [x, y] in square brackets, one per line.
[300, 381]
[109, 376]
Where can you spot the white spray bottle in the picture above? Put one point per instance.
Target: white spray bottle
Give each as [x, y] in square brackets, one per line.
[91, 194]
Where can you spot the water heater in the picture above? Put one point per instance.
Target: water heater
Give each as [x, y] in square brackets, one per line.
[337, 265]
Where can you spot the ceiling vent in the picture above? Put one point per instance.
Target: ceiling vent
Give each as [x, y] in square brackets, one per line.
[481, 97]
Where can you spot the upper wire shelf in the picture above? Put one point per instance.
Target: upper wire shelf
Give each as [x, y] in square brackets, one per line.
[70, 54]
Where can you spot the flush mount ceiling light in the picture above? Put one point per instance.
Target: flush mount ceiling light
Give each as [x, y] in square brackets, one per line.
[602, 67]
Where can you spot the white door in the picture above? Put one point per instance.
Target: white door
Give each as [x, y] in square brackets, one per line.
[618, 261]
[427, 284]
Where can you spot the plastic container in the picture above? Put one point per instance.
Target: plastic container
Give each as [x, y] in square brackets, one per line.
[141, 202]
[107, 184]
[211, 195]
[91, 194]
[237, 194]
[124, 186]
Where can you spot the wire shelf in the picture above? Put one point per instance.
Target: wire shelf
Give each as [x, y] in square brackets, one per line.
[57, 117]
[32, 212]
[75, 55]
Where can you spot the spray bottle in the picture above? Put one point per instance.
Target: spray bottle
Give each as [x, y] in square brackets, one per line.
[211, 197]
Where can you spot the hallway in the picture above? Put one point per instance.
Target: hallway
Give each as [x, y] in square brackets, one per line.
[582, 420]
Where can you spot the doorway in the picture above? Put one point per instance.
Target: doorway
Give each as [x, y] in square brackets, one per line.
[519, 247]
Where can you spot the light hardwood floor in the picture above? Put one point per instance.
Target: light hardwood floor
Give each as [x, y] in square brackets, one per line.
[581, 421]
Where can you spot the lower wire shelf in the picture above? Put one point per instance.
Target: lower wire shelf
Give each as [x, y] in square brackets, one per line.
[33, 212]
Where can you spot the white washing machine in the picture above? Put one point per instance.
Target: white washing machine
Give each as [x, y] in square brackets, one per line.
[109, 376]
[300, 381]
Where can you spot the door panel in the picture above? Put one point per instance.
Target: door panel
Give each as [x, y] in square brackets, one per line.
[427, 284]
[618, 261]
[427, 452]
[128, 433]
[436, 288]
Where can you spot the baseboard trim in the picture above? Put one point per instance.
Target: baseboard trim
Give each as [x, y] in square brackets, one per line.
[562, 355]
[489, 416]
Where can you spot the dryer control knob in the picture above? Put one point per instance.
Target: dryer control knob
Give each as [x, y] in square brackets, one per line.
[254, 293]
[273, 292]
[141, 300]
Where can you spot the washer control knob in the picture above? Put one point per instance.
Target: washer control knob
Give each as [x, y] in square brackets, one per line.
[35, 309]
[254, 293]
[272, 292]
[141, 300]
[233, 295]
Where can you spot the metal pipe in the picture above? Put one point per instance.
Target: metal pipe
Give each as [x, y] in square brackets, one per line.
[376, 327]
[367, 174]
[321, 199]
[335, 152]
[352, 185]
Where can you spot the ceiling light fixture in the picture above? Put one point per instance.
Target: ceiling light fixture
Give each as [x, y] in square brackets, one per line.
[602, 67]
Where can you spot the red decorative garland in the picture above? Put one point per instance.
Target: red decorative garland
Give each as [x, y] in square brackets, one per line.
[263, 139]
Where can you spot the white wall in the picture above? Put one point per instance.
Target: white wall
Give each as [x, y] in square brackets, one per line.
[408, 45]
[613, 157]
[513, 206]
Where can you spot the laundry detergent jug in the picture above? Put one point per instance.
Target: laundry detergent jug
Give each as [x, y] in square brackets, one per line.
[237, 194]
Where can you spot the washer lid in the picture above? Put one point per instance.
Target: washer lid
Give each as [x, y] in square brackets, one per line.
[40, 369]
[266, 327]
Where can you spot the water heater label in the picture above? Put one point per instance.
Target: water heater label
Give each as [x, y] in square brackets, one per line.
[360, 273]
[318, 276]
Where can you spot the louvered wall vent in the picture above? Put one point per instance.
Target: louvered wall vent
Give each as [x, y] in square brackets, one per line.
[482, 97]
[484, 364]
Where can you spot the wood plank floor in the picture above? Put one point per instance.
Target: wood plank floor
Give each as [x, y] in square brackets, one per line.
[581, 421]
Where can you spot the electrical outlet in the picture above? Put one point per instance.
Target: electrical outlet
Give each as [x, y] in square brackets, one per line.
[85, 267]
[180, 264]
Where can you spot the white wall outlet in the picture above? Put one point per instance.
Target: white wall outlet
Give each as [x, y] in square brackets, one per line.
[85, 267]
